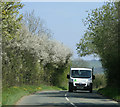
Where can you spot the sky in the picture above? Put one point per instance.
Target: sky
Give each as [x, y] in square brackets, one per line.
[64, 20]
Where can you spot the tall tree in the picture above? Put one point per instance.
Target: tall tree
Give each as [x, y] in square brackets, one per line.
[10, 19]
[35, 24]
[33, 57]
[101, 38]
[10, 31]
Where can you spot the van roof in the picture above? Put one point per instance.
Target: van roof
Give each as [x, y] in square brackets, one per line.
[81, 68]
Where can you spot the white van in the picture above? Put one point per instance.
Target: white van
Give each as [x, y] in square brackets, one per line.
[80, 79]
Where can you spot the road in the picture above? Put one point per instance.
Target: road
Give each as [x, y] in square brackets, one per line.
[66, 99]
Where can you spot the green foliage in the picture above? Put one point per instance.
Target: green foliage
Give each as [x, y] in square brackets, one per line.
[30, 58]
[59, 78]
[101, 38]
[10, 32]
[10, 19]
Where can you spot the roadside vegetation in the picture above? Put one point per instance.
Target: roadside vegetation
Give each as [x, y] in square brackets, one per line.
[13, 94]
[30, 56]
[102, 39]
[110, 92]
[99, 82]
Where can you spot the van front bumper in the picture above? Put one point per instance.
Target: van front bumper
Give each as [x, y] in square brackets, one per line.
[80, 86]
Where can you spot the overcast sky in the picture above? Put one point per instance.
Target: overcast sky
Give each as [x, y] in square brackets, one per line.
[64, 19]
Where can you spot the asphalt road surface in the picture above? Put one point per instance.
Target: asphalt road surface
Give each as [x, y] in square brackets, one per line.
[66, 99]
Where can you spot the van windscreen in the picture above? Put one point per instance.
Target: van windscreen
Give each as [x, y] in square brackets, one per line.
[81, 73]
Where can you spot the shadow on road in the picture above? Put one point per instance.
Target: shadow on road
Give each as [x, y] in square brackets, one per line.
[76, 94]
[75, 97]
[61, 105]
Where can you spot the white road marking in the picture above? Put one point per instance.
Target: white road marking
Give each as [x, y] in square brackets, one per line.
[73, 104]
[65, 94]
[69, 100]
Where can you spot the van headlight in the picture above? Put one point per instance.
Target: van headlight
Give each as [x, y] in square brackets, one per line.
[71, 80]
[89, 81]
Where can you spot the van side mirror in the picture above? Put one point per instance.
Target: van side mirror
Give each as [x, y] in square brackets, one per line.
[68, 76]
[93, 77]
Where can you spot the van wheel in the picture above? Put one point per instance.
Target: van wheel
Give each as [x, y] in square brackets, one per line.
[90, 88]
[70, 88]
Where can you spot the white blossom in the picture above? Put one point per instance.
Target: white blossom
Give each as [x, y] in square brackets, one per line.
[47, 50]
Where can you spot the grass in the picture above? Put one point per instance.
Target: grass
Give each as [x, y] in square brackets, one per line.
[99, 84]
[111, 92]
[0, 97]
[11, 95]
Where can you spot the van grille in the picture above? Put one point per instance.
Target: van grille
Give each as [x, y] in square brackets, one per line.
[78, 84]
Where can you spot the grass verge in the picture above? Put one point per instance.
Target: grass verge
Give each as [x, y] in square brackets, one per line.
[11, 95]
[111, 92]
